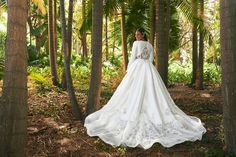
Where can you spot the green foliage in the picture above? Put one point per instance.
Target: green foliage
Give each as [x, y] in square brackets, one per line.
[39, 29]
[178, 72]
[35, 58]
[41, 77]
[212, 73]
[2, 52]
[87, 22]
[111, 66]
[116, 60]
[174, 29]
[136, 15]
[2, 43]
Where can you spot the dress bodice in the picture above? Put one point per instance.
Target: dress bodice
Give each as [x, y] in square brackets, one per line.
[141, 50]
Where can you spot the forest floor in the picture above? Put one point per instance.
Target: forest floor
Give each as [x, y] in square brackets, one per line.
[52, 131]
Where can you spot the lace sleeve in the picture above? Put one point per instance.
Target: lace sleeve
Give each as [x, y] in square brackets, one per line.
[133, 54]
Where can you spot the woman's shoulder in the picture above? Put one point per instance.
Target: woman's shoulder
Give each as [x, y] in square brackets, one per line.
[142, 43]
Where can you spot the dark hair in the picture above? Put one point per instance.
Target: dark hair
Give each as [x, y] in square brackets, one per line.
[143, 32]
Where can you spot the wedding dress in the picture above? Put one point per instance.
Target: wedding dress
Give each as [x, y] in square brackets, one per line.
[141, 111]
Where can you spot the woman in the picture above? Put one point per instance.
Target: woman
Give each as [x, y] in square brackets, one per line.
[141, 111]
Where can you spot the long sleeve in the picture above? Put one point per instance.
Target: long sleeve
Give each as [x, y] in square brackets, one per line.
[133, 54]
[151, 54]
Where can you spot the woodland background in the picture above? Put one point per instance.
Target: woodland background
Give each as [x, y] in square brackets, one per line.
[62, 59]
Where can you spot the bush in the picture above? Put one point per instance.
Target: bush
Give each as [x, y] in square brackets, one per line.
[212, 73]
[178, 72]
[37, 59]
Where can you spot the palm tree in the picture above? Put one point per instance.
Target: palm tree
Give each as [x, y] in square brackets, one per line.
[106, 38]
[69, 27]
[162, 37]
[69, 40]
[152, 10]
[124, 41]
[75, 107]
[84, 35]
[194, 42]
[228, 50]
[13, 105]
[51, 38]
[137, 14]
[55, 26]
[96, 71]
[199, 71]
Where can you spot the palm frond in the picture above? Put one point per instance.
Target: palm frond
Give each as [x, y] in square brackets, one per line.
[186, 8]
[3, 5]
[41, 6]
[111, 7]
[87, 22]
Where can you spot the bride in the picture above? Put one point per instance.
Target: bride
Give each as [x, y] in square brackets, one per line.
[141, 111]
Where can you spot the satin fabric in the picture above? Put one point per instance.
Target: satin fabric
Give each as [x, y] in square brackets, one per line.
[141, 111]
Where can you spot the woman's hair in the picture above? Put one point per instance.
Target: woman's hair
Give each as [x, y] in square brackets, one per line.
[143, 32]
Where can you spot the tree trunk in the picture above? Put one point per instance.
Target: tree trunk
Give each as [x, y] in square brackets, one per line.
[69, 26]
[199, 75]
[114, 40]
[52, 44]
[69, 40]
[13, 106]
[152, 21]
[75, 107]
[84, 35]
[106, 32]
[124, 41]
[55, 28]
[96, 72]
[162, 37]
[195, 44]
[30, 26]
[228, 50]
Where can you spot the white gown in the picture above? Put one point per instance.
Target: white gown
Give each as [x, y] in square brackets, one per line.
[141, 111]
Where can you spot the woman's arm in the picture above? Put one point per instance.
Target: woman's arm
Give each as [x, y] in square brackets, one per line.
[151, 54]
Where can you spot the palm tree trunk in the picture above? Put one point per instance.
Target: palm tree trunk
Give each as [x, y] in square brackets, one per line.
[84, 35]
[195, 44]
[96, 71]
[106, 32]
[69, 26]
[162, 37]
[13, 106]
[152, 22]
[52, 43]
[199, 75]
[55, 27]
[124, 41]
[228, 50]
[69, 38]
[114, 40]
[75, 107]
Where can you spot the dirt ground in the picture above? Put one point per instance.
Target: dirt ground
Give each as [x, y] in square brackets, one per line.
[52, 132]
